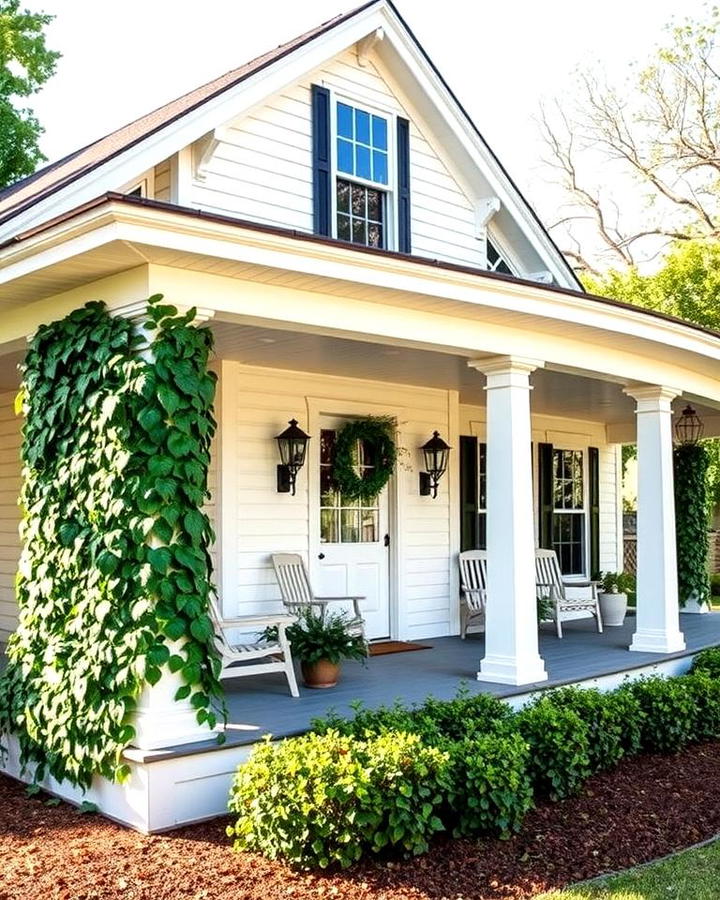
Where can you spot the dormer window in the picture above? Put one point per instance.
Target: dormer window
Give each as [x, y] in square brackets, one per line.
[361, 173]
[361, 154]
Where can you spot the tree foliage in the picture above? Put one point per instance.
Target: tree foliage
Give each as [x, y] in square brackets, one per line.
[25, 65]
[656, 138]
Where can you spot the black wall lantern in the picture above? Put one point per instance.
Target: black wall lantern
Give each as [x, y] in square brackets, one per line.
[689, 427]
[292, 444]
[436, 453]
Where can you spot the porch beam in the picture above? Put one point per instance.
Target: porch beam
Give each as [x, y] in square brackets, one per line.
[658, 618]
[511, 626]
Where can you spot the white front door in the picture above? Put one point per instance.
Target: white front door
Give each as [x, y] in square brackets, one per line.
[352, 555]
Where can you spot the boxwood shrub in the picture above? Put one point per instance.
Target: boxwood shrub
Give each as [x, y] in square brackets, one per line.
[669, 712]
[704, 690]
[323, 799]
[489, 789]
[559, 748]
[613, 722]
[707, 660]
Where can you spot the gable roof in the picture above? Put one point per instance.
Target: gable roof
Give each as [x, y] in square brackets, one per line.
[51, 178]
[23, 195]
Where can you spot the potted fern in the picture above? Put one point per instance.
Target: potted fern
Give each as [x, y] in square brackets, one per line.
[322, 643]
[613, 596]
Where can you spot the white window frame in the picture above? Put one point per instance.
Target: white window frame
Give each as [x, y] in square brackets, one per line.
[509, 258]
[389, 189]
[585, 511]
[146, 184]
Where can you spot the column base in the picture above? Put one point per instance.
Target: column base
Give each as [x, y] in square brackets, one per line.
[508, 670]
[649, 640]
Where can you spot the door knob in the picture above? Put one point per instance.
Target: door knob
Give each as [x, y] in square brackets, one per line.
[321, 556]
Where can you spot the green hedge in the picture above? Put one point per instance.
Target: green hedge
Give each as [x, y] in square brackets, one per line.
[389, 778]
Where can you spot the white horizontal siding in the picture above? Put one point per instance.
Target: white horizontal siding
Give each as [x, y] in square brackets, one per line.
[256, 405]
[262, 170]
[162, 181]
[10, 477]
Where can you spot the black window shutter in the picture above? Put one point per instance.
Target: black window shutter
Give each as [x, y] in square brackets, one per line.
[594, 500]
[545, 494]
[403, 169]
[321, 143]
[468, 493]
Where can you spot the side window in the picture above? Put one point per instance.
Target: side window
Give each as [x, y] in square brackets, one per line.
[496, 261]
[569, 511]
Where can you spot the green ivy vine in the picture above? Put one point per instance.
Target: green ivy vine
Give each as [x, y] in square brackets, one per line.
[114, 578]
[690, 463]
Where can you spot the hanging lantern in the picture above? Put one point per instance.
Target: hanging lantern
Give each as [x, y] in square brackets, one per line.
[689, 427]
[436, 453]
[292, 444]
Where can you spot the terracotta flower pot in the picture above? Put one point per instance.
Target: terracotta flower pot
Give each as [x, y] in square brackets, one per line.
[322, 674]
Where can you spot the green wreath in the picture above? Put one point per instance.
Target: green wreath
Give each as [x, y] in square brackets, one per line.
[378, 433]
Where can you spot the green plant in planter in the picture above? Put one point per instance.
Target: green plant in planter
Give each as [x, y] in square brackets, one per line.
[330, 638]
[544, 608]
[618, 583]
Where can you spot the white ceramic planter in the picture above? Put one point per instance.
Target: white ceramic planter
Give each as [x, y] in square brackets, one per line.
[613, 608]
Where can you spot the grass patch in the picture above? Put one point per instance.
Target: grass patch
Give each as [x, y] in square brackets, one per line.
[692, 874]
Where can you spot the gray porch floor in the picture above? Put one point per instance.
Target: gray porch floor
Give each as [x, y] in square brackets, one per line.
[262, 704]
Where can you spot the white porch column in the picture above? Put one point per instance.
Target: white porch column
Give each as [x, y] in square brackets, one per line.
[658, 619]
[511, 626]
[159, 720]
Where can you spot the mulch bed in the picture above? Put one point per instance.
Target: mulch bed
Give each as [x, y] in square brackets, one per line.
[650, 806]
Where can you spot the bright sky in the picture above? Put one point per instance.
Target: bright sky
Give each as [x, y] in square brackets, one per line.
[122, 59]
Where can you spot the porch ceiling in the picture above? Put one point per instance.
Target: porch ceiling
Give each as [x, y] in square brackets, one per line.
[555, 393]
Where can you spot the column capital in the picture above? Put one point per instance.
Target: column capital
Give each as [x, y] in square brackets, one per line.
[506, 365]
[139, 309]
[651, 397]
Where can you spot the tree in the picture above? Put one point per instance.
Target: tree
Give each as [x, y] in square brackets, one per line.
[25, 65]
[687, 285]
[656, 139]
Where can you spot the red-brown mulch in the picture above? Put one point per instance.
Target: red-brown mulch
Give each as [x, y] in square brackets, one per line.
[648, 807]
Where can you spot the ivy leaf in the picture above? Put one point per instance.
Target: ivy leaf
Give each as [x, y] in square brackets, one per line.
[183, 692]
[175, 663]
[166, 487]
[158, 655]
[149, 418]
[163, 530]
[160, 559]
[179, 444]
[139, 608]
[160, 465]
[168, 398]
[107, 562]
[152, 675]
[189, 558]
[201, 628]
[175, 628]
[194, 523]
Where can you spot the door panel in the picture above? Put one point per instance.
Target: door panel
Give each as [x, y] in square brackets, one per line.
[352, 556]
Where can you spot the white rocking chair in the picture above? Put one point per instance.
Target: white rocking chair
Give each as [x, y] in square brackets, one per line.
[550, 583]
[259, 657]
[297, 594]
[473, 587]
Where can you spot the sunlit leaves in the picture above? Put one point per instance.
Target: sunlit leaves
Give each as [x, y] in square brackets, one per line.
[114, 582]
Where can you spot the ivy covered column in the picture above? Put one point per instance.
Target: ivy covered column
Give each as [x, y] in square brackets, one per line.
[165, 714]
[511, 627]
[658, 622]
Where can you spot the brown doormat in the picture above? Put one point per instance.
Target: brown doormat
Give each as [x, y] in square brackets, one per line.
[382, 648]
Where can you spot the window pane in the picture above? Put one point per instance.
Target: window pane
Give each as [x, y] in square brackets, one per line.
[343, 228]
[343, 195]
[379, 133]
[362, 126]
[374, 235]
[359, 231]
[345, 156]
[362, 162]
[328, 526]
[345, 120]
[374, 206]
[380, 167]
[359, 201]
[368, 525]
[349, 526]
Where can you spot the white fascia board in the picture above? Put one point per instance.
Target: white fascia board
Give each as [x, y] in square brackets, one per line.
[435, 89]
[193, 125]
[146, 225]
